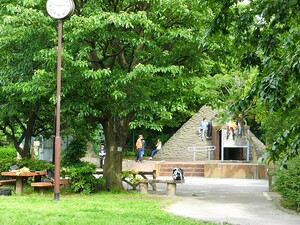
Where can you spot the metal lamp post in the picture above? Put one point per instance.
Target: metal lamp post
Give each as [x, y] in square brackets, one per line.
[58, 9]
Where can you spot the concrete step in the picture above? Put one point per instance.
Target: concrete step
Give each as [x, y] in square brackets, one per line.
[189, 169]
[185, 174]
[186, 170]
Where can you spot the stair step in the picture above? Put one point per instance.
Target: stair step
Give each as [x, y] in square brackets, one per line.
[190, 169]
[185, 174]
[185, 169]
[183, 164]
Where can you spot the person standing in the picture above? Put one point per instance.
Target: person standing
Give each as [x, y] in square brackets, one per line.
[143, 149]
[102, 154]
[202, 128]
[140, 145]
[157, 148]
[241, 123]
[209, 126]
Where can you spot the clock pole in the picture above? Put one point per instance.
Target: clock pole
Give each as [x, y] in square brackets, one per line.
[57, 127]
[58, 9]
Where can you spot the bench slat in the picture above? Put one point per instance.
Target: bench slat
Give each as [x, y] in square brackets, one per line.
[4, 182]
[49, 184]
[41, 184]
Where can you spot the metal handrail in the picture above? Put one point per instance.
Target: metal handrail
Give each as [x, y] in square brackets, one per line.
[207, 149]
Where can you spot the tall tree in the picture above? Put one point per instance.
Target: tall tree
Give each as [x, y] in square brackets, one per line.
[134, 63]
[25, 90]
[126, 64]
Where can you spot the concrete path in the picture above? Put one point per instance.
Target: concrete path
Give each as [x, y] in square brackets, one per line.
[221, 200]
[236, 201]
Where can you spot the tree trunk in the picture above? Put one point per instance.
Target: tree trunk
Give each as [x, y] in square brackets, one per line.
[28, 132]
[115, 130]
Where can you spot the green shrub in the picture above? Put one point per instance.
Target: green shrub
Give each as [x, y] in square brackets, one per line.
[131, 176]
[130, 153]
[29, 163]
[287, 183]
[74, 152]
[35, 164]
[82, 178]
[8, 152]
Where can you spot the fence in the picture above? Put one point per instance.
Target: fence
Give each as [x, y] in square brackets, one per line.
[207, 149]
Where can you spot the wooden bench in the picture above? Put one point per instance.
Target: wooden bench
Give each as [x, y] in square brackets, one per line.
[171, 185]
[39, 186]
[4, 182]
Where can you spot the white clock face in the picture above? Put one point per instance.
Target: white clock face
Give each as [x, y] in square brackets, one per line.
[59, 9]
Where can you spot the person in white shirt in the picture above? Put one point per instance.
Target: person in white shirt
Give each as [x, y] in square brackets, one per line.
[102, 154]
[202, 128]
[157, 148]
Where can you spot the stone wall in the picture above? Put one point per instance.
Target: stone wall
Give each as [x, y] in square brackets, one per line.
[176, 148]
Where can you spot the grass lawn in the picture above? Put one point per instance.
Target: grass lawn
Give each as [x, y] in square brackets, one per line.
[101, 208]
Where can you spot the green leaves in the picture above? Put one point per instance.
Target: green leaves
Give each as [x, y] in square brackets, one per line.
[266, 34]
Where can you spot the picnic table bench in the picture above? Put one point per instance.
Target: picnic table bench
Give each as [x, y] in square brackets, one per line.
[39, 186]
[171, 185]
[4, 182]
[22, 177]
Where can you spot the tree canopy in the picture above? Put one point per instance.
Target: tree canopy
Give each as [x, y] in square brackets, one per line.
[266, 34]
[126, 64]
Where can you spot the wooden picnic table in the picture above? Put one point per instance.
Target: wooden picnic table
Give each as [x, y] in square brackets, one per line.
[20, 176]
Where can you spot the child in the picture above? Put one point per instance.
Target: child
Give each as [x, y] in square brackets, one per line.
[102, 154]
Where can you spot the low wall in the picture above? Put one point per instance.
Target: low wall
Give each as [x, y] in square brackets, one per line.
[235, 170]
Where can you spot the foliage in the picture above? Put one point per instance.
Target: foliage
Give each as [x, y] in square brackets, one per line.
[31, 164]
[25, 89]
[35, 164]
[134, 64]
[82, 178]
[8, 152]
[266, 34]
[287, 182]
[74, 152]
[131, 175]
[126, 64]
[129, 152]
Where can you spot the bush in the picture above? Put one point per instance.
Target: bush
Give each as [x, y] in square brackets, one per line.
[82, 178]
[287, 183]
[130, 153]
[8, 152]
[29, 163]
[131, 176]
[74, 152]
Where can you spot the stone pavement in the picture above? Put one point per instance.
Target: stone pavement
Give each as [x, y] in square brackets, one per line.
[236, 201]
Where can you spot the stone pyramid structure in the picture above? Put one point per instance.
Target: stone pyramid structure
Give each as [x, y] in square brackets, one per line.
[176, 148]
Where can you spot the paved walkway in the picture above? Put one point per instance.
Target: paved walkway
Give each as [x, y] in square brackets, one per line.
[236, 201]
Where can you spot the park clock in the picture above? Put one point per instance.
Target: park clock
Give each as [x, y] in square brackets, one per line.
[60, 9]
